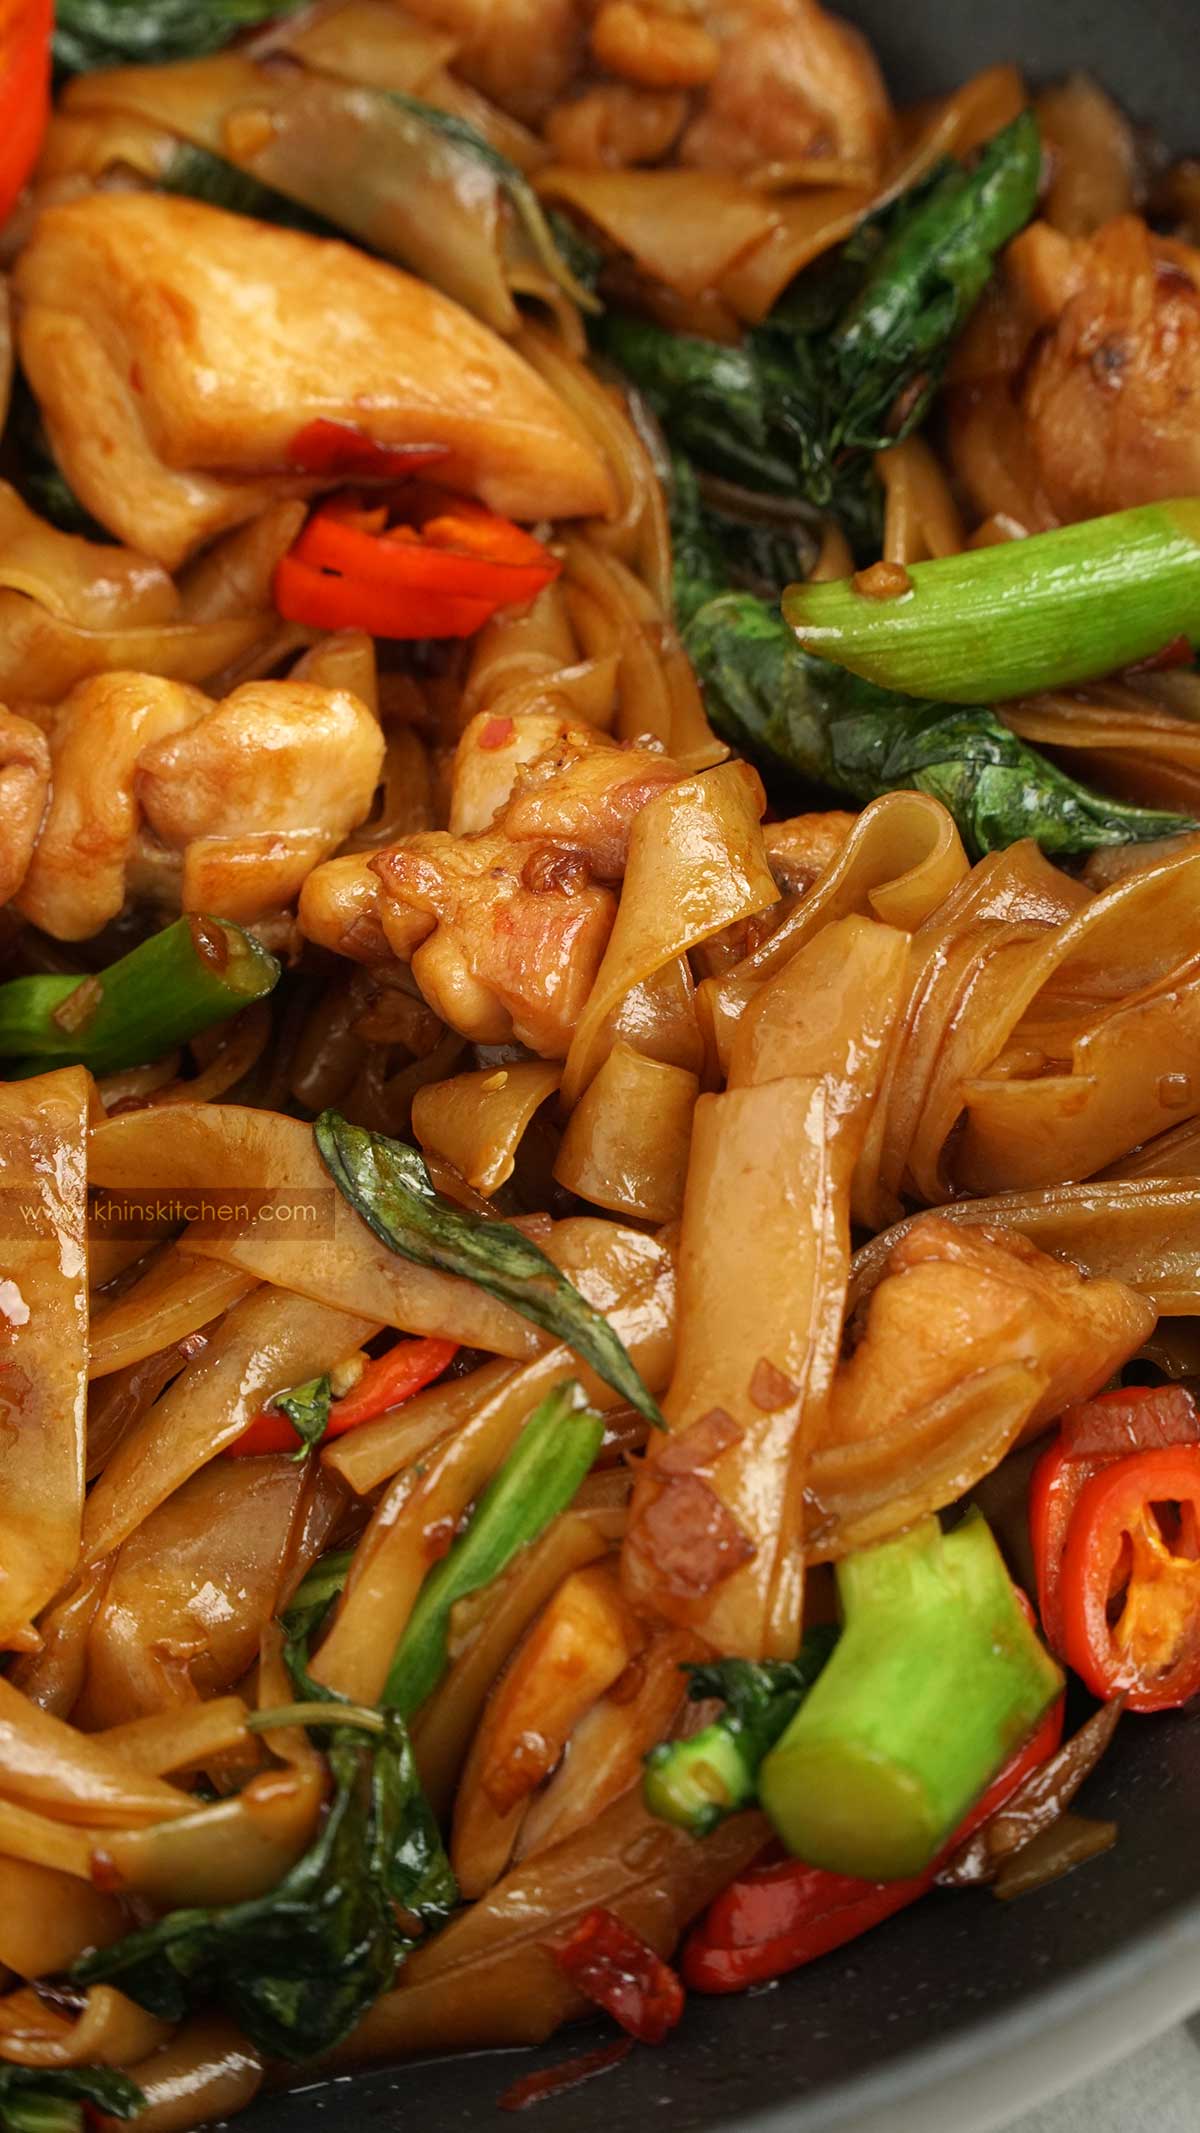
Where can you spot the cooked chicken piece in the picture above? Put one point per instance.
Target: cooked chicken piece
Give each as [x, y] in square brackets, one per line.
[522, 53]
[340, 907]
[266, 785]
[177, 351]
[555, 781]
[955, 1300]
[159, 793]
[24, 788]
[1113, 397]
[614, 126]
[793, 83]
[1108, 399]
[492, 754]
[802, 848]
[587, 805]
[503, 943]
[76, 880]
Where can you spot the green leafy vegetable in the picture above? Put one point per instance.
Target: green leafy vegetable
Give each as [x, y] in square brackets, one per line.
[849, 361]
[717, 544]
[554, 1451]
[889, 348]
[313, 1598]
[178, 982]
[812, 720]
[386, 1182]
[296, 1968]
[800, 714]
[307, 1409]
[696, 1783]
[113, 33]
[50, 2099]
[36, 474]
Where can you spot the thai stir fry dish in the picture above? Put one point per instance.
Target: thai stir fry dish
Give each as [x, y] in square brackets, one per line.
[600, 1023]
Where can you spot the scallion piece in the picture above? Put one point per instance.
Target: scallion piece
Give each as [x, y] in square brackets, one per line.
[1044, 613]
[554, 1451]
[194, 973]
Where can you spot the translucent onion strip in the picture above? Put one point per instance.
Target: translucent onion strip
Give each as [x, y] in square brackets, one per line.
[174, 1298]
[696, 864]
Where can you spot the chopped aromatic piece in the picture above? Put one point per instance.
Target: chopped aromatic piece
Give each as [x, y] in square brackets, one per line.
[549, 1460]
[388, 1185]
[195, 973]
[697, 1782]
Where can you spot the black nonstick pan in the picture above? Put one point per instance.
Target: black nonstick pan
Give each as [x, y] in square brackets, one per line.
[952, 2012]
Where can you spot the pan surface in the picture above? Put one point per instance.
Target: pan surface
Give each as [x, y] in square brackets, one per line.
[955, 1998]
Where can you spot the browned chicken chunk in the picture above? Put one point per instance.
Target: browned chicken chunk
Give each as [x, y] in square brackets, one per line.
[1096, 401]
[499, 947]
[157, 791]
[24, 788]
[955, 1300]
[177, 351]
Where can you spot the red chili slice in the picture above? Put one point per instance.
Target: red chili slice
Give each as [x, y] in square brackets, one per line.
[405, 1369]
[25, 27]
[612, 1966]
[443, 573]
[1095, 1434]
[1134, 1418]
[346, 453]
[1130, 1583]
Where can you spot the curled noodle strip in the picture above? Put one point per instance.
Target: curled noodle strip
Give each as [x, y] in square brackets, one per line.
[899, 862]
[696, 865]
[110, 2030]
